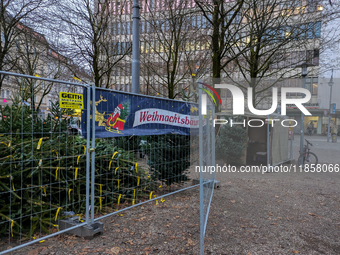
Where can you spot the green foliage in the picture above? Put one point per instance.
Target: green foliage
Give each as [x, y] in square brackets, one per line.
[129, 143]
[43, 168]
[125, 111]
[168, 157]
[22, 122]
[230, 143]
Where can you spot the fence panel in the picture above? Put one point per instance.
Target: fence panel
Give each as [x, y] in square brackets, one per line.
[142, 150]
[203, 158]
[43, 165]
[52, 171]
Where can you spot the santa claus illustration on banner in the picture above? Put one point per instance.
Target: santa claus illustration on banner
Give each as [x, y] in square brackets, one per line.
[114, 121]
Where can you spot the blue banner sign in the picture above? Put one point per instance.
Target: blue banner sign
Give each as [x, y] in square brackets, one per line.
[333, 108]
[123, 114]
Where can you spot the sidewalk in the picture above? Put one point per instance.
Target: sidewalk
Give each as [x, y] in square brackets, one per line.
[327, 152]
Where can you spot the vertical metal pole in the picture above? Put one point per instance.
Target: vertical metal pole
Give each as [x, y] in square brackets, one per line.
[268, 144]
[291, 143]
[213, 140]
[135, 47]
[93, 146]
[200, 144]
[302, 128]
[207, 121]
[330, 108]
[88, 137]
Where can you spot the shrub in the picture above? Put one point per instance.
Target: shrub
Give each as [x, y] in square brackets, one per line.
[230, 143]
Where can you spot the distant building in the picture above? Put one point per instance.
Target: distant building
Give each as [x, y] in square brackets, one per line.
[35, 56]
[313, 34]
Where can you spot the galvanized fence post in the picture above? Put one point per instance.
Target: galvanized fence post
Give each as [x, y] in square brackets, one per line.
[93, 146]
[88, 137]
[200, 144]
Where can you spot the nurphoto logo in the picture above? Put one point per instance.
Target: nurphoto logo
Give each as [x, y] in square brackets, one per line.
[238, 104]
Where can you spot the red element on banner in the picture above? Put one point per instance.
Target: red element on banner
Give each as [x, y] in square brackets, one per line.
[119, 124]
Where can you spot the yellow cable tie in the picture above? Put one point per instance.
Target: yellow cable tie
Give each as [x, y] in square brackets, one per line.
[56, 173]
[118, 184]
[119, 197]
[69, 194]
[9, 144]
[12, 223]
[101, 188]
[100, 203]
[136, 167]
[15, 165]
[116, 169]
[134, 193]
[56, 153]
[40, 162]
[41, 241]
[56, 215]
[84, 149]
[39, 144]
[78, 159]
[162, 200]
[76, 78]
[11, 177]
[151, 195]
[114, 154]
[5, 144]
[110, 164]
[133, 201]
[76, 173]
[160, 186]
[156, 201]
[43, 187]
[138, 181]
[55, 225]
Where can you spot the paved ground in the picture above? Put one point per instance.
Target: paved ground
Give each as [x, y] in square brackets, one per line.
[327, 152]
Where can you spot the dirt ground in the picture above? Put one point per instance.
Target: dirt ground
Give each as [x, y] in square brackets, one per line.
[253, 213]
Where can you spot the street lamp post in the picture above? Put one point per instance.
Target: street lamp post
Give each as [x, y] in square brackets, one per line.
[135, 47]
[330, 107]
[304, 73]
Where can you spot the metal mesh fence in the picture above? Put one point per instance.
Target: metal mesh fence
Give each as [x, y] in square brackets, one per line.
[54, 178]
[203, 158]
[43, 160]
[132, 166]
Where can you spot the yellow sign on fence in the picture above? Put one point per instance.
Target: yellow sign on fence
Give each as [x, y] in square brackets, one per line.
[71, 100]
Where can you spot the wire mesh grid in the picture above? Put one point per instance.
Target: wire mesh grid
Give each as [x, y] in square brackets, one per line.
[202, 142]
[131, 169]
[51, 170]
[42, 159]
[208, 160]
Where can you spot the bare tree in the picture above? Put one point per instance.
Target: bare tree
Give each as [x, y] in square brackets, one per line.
[36, 58]
[278, 37]
[225, 22]
[173, 48]
[12, 14]
[89, 26]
